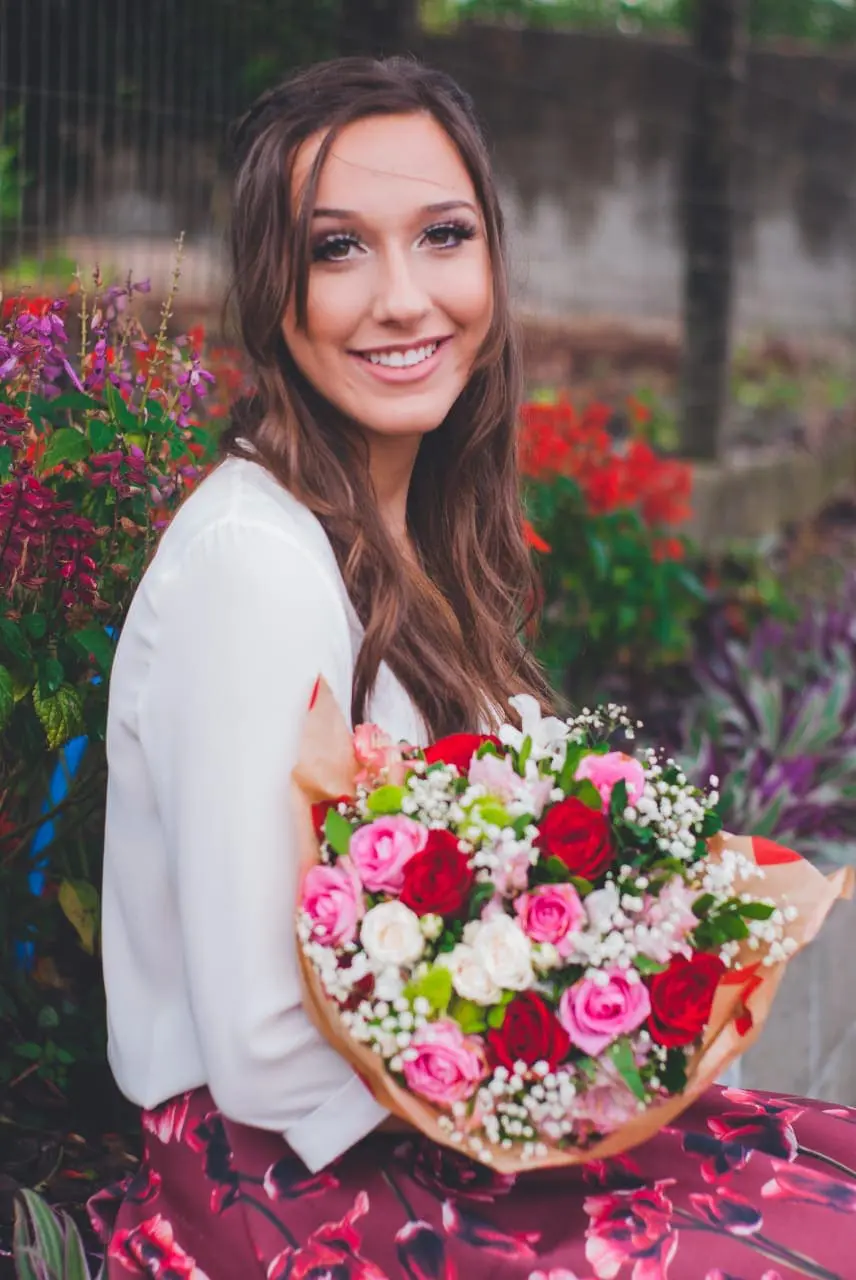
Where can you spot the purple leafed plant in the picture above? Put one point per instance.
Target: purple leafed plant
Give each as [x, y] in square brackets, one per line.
[775, 719]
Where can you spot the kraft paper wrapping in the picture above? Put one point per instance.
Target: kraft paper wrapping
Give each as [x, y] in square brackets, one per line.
[327, 769]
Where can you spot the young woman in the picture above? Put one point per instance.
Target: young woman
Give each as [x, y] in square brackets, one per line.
[365, 526]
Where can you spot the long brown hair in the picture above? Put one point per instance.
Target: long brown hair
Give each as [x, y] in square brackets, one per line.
[451, 629]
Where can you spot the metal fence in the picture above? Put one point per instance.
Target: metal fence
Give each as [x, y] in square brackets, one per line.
[113, 128]
[113, 119]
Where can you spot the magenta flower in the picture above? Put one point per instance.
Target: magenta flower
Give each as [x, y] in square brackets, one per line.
[809, 1186]
[728, 1210]
[631, 1226]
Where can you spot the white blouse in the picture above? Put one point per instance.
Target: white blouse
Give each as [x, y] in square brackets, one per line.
[241, 609]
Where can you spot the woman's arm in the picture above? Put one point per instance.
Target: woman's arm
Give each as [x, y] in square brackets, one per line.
[245, 627]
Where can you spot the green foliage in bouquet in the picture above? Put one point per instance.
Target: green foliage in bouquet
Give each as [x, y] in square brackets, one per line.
[98, 443]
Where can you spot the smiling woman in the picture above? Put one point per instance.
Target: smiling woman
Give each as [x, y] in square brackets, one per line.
[365, 526]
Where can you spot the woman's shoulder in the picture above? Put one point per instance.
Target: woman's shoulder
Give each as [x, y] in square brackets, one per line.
[236, 508]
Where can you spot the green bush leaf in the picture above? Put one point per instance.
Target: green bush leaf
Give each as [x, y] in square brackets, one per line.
[66, 445]
[38, 1236]
[7, 697]
[79, 902]
[95, 641]
[13, 641]
[61, 714]
[496, 1017]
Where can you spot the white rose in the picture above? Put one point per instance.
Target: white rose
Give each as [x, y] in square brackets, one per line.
[391, 935]
[506, 953]
[470, 977]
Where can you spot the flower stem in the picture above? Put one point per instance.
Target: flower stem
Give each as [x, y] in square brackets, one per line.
[767, 1248]
[399, 1195]
[271, 1217]
[811, 1154]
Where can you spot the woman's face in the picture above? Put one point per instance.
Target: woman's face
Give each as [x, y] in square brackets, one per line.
[400, 289]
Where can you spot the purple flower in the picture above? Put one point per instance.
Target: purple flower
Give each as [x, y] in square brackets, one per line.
[733, 1213]
[422, 1252]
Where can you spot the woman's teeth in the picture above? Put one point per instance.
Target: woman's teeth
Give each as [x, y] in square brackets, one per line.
[402, 359]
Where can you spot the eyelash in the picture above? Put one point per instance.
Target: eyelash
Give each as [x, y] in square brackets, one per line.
[463, 231]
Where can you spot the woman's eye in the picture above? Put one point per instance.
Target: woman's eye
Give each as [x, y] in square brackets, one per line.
[334, 249]
[448, 235]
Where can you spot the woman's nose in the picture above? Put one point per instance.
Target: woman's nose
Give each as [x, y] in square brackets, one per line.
[401, 297]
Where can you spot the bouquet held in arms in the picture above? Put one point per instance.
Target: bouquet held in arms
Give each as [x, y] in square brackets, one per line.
[533, 946]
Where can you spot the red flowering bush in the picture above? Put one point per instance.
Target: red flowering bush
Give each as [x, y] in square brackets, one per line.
[606, 517]
[100, 437]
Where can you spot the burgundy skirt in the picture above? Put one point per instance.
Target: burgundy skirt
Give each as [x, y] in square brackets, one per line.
[748, 1186]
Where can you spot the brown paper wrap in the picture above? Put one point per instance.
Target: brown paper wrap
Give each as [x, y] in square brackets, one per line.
[327, 768]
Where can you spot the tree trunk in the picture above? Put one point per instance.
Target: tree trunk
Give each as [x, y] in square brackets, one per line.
[379, 27]
[719, 42]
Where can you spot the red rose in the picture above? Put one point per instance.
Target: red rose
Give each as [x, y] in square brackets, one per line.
[578, 836]
[438, 879]
[530, 1033]
[681, 998]
[458, 749]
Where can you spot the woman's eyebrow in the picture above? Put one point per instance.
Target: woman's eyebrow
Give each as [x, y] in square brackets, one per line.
[444, 206]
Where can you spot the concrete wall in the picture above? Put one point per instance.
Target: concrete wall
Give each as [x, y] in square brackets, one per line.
[588, 133]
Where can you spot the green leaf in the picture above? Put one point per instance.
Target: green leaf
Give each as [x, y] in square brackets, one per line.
[646, 965]
[95, 641]
[7, 697]
[51, 674]
[469, 1016]
[65, 445]
[618, 799]
[6, 457]
[75, 401]
[589, 794]
[674, 1074]
[13, 640]
[386, 800]
[621, 1053]
[48, 1017]
[435, 987]
[711, 823]
[80, 902]
[102, 434]
[524, 754]
[29, 1051]
[35, 625]
[756, 910]
[337, 832]
[479, 898]
[61, 715]
[75, 1265]
[42, 1232]
[496, 1017]
[126, 418]
[702, 905]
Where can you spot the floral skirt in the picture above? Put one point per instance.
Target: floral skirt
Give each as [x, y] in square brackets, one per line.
[748, 1186]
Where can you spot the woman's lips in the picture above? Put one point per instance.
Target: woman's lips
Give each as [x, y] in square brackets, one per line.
[405, 373]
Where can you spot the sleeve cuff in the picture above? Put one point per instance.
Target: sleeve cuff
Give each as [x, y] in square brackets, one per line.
[340, 1122]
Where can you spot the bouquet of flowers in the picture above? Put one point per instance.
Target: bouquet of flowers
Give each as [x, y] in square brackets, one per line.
[534, 946]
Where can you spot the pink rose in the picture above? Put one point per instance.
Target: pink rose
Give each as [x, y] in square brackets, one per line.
[594, 1015]
[448, 1065]
[379, 757]
[333, 900]
[604, 771]
[381, 850]
[551, 913]
[498, 777]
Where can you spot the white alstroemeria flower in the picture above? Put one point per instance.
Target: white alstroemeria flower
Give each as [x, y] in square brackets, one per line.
[546, 732]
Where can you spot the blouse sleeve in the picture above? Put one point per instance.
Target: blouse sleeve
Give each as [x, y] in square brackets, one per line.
[245, 627]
